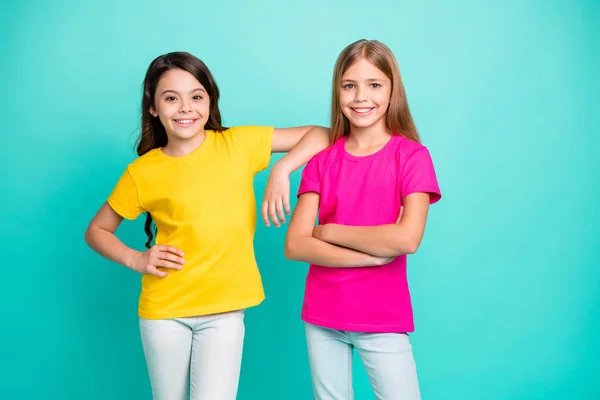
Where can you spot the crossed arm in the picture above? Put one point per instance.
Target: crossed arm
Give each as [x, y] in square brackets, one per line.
[337, 245]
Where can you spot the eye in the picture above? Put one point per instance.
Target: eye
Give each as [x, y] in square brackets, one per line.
[197, 97]
[170, 98]
[348, 86]
[375, 85]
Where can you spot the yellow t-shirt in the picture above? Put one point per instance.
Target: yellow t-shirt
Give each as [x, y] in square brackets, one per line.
[202, 203]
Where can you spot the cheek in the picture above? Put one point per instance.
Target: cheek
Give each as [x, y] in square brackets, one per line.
[345, 99]
[344, 104]
[206, 109]
[166, 110]
[383, 99]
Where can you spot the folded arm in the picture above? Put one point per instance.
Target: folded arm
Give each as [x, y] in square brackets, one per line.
[300, 245]
[389, 240]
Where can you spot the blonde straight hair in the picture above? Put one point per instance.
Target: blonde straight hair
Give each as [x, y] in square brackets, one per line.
[398, 118]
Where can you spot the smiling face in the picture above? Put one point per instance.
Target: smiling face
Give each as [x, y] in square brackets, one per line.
[364, 95]
[182, 104]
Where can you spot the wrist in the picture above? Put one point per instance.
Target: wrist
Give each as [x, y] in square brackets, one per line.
[327, 232]
[130, 258]
[283, 166]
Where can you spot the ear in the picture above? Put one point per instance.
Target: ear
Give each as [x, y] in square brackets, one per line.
[153, 112]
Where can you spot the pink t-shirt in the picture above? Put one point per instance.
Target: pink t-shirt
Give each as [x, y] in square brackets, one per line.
[362, 191]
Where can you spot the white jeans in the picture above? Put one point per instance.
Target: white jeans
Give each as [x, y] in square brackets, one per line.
[387, 358]
[200, 356]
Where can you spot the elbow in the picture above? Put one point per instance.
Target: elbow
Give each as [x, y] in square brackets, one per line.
[408, 245]
[289, 250]
[292, 249]
[411, 248]
[90, 235]
[406, 240]
[412, 245]
[87, 235]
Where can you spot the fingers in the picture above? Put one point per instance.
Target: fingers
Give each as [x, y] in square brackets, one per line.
[400, 215]
[280, 214]
[275, 210]
[163, 256]
[276, 202]
[170, 257]
[152, 268]
[169, 249]
[265, 210]
[315, 232]
[153, 271]
[273, 213]
[167, 264]
[286, 204]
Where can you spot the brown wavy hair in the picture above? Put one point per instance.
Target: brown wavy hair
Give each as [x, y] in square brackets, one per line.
[153, 134]
[398, 118]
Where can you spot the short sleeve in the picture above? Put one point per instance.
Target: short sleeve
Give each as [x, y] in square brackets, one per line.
[311, 179]
[418, 175]
[124, 197]
[256, 142]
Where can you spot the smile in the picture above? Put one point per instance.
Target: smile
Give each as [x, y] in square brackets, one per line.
[185, 122]
[363, 110]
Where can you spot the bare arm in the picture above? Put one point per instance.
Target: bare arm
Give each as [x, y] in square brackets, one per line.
[302, 143]
[311, 138]
[388, 240]
[100, 236]
[300, 245]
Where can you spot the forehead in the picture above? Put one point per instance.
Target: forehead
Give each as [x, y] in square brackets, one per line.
[362, 70]
[179, 80]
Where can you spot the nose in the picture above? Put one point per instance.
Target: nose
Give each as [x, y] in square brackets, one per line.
[185, 106]
[361, 95]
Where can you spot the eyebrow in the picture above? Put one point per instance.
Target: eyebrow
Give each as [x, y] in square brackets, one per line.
[368, 80]
[176, 92]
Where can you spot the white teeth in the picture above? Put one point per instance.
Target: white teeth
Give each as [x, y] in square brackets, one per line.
[184, 121]
[362, 110]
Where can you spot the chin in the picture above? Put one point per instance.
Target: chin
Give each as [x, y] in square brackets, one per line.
[363, 124]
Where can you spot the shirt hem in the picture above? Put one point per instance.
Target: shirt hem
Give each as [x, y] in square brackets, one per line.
[117, 208]
[194, 312]
[302, 191]
[431, 190]
[341, 326]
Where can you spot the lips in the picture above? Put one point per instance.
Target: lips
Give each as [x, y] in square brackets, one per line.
[185, 122]
[362, 111]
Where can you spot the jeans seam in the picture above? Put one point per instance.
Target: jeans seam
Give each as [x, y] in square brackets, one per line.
[192, 385]
[349, 370]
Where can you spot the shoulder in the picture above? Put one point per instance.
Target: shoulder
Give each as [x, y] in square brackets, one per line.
[333, 150]
[143, 162]
[245, 135]
[145, 159]
[248, 129]
[406, 146]
[324, 157]
[325, 153]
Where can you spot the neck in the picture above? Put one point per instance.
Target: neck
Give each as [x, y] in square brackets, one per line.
[372, 136]
[177, 147]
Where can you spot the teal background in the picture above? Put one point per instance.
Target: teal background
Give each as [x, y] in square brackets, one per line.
[506, 284]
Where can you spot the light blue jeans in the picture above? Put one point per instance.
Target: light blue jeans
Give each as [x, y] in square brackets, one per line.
[197, 358]
[387, 358]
